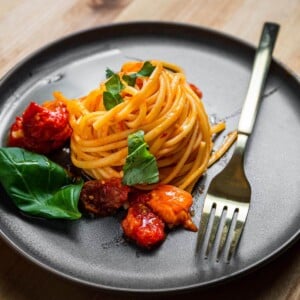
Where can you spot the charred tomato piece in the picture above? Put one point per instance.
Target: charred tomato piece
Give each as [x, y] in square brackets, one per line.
[103, 197]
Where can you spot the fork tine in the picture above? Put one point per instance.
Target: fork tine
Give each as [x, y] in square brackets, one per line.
[208, 205]
[230, 210]
[215, 226]
[240, 222]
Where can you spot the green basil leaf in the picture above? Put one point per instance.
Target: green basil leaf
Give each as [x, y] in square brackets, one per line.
[114, 84]
[109, 73]
[112, 97]
[140, 166]
[37, 185]
[146, 70]
[110, 100]
[130, 79]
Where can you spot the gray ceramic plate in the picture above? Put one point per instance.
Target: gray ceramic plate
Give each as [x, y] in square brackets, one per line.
[93, 251]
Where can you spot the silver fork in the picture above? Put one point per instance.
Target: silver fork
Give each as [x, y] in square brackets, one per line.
[227, 201]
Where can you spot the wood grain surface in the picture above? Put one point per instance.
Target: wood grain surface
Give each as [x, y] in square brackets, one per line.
[27, 25]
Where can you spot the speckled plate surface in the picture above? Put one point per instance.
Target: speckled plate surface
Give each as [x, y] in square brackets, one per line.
[93, 251]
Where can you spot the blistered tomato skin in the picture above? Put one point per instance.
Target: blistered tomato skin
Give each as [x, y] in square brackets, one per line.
[143, 227]
[41, 129]
[172, 205]
[16, 135]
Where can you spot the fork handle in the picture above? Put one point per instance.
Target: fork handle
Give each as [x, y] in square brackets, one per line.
[260, 70]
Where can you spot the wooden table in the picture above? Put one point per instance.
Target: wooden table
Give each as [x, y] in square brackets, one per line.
[27, 25]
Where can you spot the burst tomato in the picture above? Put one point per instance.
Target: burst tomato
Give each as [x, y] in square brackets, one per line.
[41, 129]
[172, 205]
[142, 226]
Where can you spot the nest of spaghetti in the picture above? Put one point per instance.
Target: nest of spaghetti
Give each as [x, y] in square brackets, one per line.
[155, 98]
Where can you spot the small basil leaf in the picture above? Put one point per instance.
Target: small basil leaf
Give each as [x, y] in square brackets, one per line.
[114, 84]
[110, 100]
[37, 185]
[109, 73]
[146, 70]
[130, 79]
[140, 166]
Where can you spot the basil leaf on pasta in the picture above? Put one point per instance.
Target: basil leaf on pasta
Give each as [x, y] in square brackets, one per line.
[146, 70]
[38, 186]
[109, 73]
[110, 100]
[130, 79]
[140, 166]
[112, 97]
[114, 84]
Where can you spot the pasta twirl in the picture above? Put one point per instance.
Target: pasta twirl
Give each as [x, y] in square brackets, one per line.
[164, 106]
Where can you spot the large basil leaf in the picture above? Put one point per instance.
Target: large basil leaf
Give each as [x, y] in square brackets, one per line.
[37, 185]
[140, 166]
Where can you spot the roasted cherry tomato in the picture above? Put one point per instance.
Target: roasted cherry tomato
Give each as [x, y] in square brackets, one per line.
[103, 198]
[172, 205]
[41, 129]
[143, 227]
